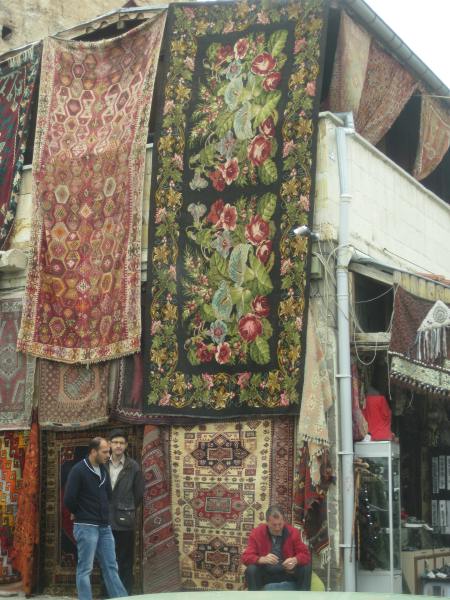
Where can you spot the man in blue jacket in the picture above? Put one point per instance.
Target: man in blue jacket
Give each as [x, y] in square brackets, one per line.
[87, 496]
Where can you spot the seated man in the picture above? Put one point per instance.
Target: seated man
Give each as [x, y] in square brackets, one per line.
[275, 553]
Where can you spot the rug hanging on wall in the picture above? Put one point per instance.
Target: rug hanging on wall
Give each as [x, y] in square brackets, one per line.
[232, 174]
[74, 396]
[83, 287]
[60, 451]
[420, 344]
[224, 476]
[17, 86]
[16, 370]
[26, 531]
[13, 445]
[160, 562]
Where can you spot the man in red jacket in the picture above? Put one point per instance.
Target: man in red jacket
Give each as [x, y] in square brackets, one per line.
[275, 553]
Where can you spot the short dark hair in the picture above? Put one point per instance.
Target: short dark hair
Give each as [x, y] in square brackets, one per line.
[94, 444]
[274, 510]
[118, 433]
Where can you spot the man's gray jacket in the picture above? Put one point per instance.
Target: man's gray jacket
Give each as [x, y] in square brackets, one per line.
[126, 496]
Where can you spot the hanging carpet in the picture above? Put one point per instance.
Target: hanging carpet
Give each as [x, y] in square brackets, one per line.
[224, 476]
[73, 396]
[83, 287]
[60, 452]
[434, 136]
[233, 172]
[420, 344]
[17, 84]
[26, 532]
[12, 455]
[160, 563]
[16, 370]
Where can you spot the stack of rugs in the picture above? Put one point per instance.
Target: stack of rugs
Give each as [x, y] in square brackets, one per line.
[209, 385]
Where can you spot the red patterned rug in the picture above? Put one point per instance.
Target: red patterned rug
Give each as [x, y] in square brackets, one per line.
[160, 564]
[73, 396]
[224, 476]
[17, 84]
[16, 370]
[83, 288]
[12, 455]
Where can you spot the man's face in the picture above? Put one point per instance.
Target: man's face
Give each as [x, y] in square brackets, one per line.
[118, 447]
[101, 456]
[275, 524]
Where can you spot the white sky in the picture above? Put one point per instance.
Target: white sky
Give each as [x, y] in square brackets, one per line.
[424, 26]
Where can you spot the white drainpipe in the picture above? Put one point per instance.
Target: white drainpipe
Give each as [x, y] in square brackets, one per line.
[344, 365]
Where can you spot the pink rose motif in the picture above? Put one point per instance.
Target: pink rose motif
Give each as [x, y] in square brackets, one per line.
[223, 353]
[156, 326]
[204, 353]
[241, 48]
[261, 306]
[259, 150]
[311, 88]
[161, 215]
[165, 400]
[304, 203]
[228, 218]
[284, 400]
[299, 45]
[267, 127]
[250, 327]
[272, 81]
[230, 170]
[263, 64]
[224, 52]
[215, 212]
[288, 147]
[243, 379]
[217, 180]
[263, 251]
[208, 380]
[257, 230]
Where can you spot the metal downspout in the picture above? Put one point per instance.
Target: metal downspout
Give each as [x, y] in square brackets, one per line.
[344, 366]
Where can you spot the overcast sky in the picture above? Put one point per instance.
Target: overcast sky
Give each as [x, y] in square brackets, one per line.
[424, 26]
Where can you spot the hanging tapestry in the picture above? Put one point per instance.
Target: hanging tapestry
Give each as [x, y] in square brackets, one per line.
[60, 451]
[224, 476]
[232, 174]
[17, 84]
[26, 531]
[16, 370]
[434, 135]
[12, 454]
[387, 88]
[420, 344]
[83, 288]
[73, 396]
[317, 398]
[128, 405]
[160, 563]
[350, 66]
[310, 502]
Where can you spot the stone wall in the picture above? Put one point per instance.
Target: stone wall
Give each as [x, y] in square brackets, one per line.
[25, 21]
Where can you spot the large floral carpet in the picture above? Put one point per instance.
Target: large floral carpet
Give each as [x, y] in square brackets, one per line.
[224, 476]
[12, 454]
[232, 174]
[83, 287]
[16, 370]
[58, 558]
[17, 84]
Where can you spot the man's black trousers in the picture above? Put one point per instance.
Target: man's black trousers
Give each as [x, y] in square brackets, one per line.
[257, 576]
[125, 557]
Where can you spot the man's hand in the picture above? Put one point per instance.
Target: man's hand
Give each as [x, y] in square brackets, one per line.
[290, 563]
[269, 559]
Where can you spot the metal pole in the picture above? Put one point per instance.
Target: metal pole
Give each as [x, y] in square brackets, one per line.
[344, 368]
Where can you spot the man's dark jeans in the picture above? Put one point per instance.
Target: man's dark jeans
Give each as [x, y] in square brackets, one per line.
[257, 576]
